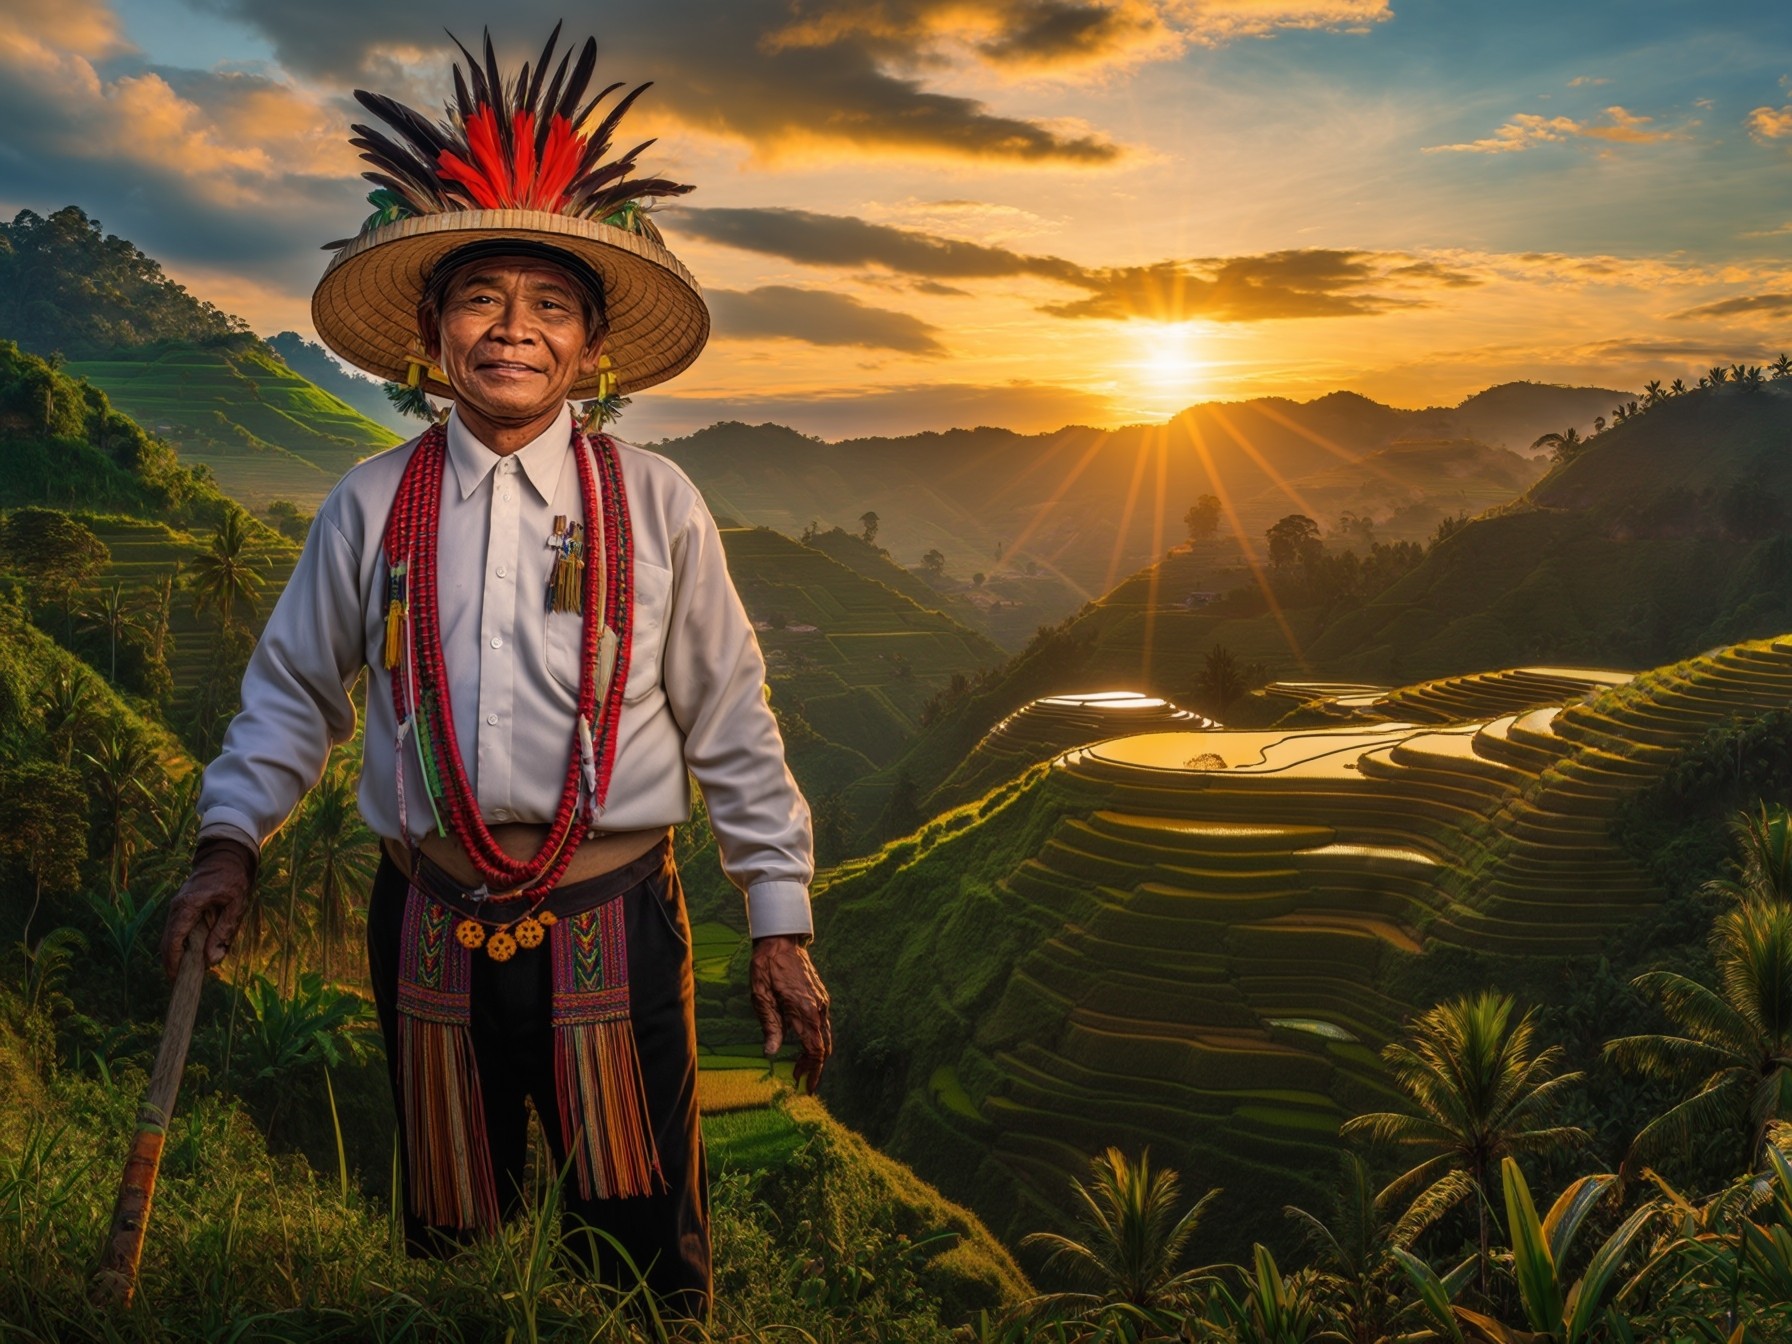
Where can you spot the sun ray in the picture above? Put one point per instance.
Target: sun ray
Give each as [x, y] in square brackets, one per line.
[1362, 460]
[1258, 573]
[1281, 482]
[1161, 450]
[1132, 498]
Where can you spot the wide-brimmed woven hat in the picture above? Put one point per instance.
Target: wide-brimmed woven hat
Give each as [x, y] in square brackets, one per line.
[511, 163]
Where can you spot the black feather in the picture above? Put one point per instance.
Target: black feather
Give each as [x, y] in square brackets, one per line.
[607, 127]
[580, 80]
[463, 99]
[392, 184]
[541, 68]
[499, 99]
[481, 95]
[426, 138]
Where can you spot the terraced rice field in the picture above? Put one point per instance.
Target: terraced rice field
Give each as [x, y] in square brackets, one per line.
[1042, 729]
[1220, 911]
[143, 553]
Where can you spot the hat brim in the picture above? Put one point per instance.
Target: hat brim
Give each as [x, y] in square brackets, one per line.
[365, 307]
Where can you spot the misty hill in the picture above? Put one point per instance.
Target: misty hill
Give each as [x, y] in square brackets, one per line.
[311, 361]
[1088, 506]
[1666, 534]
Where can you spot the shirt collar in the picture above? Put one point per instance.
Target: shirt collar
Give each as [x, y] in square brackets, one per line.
[541, 458]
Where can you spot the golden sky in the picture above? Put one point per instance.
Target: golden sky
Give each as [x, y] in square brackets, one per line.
[922, 213]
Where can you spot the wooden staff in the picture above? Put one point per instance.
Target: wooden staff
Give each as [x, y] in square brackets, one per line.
[115, 1280]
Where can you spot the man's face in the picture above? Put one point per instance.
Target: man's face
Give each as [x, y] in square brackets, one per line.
[512, 338]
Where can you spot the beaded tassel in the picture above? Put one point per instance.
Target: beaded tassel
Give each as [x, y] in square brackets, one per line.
[566, 582]
[395, 617]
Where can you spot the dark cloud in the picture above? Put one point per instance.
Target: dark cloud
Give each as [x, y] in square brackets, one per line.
[820, 318]
[1316, 282]
[1055, 33]
[1311, 282]
[1770, 305]
[854, 412]
[721, 65]
[842, 240]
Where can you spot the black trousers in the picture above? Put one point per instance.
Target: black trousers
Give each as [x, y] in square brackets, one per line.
[666, 1234]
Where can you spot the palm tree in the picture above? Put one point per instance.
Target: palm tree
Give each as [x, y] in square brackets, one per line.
[1764, 869]
[1736, 1039]
[333, 855]
[1653, 395]
[1132, 1244]
[111, 615]
[1781, 367]
[1677, 387]
[67, 703]
[1562, 446]
[1718, 375]
[122, 768]
[227, 575]
[1353, 1255]
[1483, 1091]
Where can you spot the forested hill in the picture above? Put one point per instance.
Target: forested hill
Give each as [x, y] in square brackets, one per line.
[1090, 505]
[182, 368]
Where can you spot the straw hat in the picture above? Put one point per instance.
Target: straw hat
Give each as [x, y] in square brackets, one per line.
[511, 163]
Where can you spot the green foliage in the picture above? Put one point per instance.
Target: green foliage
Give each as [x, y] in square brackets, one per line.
[1132, 1244]
[65, 286]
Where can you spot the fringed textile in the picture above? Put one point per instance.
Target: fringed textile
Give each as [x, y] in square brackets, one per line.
[597, 1072]
[450, 1167]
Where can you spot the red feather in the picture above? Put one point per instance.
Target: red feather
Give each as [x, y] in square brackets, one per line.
[522, 140]
[453, 168]
[559, 161]
[482, 140]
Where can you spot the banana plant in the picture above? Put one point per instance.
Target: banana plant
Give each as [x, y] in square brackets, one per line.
[1269, 1308]
[1557, 1310]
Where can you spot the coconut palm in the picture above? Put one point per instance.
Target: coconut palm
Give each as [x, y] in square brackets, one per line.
[1781, 367]
[1736, 1039]
[1653, 392]
[120, 771]
[1717, 375]
[226, 577]
[1483, 1091]
[1562, 446]
[113, 616]
[333, 856]
[68, 704]
[1133, 1242]
[1764, 865]
[1353, 1254]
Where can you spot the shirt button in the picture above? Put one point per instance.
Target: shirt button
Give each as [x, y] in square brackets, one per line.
[491, 719]
[507, 495]
[497, 642]
[502, 571]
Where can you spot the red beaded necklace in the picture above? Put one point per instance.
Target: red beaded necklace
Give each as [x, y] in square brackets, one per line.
[420, 694]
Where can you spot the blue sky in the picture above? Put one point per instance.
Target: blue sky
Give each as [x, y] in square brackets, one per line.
[1174, 199]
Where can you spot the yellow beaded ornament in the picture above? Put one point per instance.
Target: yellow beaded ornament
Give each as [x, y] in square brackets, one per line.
[547, 919]
[528, 932]
[501, 946]
[470, 932]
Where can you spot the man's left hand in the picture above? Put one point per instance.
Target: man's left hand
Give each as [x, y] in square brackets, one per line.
[787, 992]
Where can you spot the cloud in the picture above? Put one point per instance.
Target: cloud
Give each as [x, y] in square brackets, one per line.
[193, 166]
[1772, 305]
[1769, 123]
[1309, 282]
[1586, 81]
[819, 317]
[1530, 129]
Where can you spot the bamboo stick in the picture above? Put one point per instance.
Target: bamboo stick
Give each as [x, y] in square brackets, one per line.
[115, 1281]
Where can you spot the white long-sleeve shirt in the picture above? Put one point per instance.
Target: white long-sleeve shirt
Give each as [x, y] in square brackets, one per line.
[693, 705]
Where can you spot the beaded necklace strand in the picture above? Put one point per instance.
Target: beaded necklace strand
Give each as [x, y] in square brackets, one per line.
[420, 691]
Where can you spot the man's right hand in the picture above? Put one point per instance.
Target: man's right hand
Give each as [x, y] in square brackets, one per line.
[216, 890]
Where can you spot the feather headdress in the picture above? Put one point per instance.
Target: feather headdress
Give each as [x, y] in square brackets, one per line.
[525, 158]
[519, 144]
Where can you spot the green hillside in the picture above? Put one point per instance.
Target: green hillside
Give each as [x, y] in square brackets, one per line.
[311, 361]
[856, 659]
[264, 432]
[1199, 940]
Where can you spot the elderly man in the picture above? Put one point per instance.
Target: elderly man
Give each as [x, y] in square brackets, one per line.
[554, 649]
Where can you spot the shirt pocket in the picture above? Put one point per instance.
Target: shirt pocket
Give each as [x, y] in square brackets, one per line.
[653, 586]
